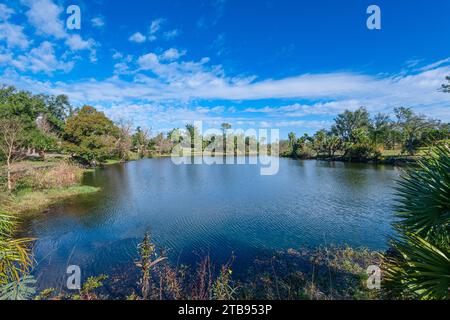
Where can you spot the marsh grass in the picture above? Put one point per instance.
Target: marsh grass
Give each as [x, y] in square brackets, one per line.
[29, 201]
[38, 185]
[325, 273]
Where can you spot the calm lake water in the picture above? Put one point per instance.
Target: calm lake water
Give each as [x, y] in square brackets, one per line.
[193, 210]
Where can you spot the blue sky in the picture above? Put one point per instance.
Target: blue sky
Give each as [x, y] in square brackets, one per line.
[287, 64]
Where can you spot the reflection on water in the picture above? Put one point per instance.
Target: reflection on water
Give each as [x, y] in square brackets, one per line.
[198, 209]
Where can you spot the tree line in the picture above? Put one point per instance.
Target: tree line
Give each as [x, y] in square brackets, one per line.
[39, 124]
[357, 136]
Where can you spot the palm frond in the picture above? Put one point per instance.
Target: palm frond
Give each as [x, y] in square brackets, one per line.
[23, 289]
[418, 269]
[15, 258]
[418, 264]
[424, 195]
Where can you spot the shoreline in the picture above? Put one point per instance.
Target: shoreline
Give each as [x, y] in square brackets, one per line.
[33, 202]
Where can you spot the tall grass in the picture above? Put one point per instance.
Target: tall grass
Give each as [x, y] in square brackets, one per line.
[61, 175]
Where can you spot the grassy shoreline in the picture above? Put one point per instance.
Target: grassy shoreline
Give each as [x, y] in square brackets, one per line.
[29, 201]
[41, 184]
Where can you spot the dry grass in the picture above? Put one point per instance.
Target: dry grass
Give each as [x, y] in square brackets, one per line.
[38, 185]
[62, 175]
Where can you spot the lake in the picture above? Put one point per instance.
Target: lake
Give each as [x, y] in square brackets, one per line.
[194, 210]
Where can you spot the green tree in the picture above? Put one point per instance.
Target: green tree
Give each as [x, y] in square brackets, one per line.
[140, 141]
[346, 123]
[225, 127]
[319, 141]
[90, 136]
[380, 129]
[193, 134]
[41, 142]
[411, 127]
[292, 138]
[22, 105]
[42, 117]
[331, 144]
[57, 111]
[353, 130]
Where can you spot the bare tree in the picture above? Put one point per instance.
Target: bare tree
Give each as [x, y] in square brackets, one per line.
[123, 144]
[11, 131]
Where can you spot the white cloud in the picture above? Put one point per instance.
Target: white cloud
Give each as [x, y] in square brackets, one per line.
[171, 83]
[76, 43]
[148, 61]
[13, 35]
[98, 22]
[5, 12]
[117, 55]
[172, 54]
[121, 68]
[44, 16]
[155, 26]
[154, 32]
[137, 37]
[172, 34]
[42, 59]
[313, 125]
[435, 64]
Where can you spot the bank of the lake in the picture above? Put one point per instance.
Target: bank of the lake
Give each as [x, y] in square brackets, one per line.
[40, 184]
[29, 202]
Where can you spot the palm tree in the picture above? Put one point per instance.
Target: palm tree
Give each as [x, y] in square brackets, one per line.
[15, 258]
[418, 266]
[192, 132]
[225, 126]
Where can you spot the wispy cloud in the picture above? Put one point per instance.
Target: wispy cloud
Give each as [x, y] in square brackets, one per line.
[98, 22]
[155, 31]
[156, 80]
[137, 37]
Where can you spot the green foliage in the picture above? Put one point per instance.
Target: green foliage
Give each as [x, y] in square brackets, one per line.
[29, 107]
[90, 136]
[22, 289]
[347, 122]
[140, 142]
[356, 136]
[424, 193]
[15, 259]
[223, 287]
[418, 269]
[45, 294]
[41, 142]
[148, 260]
[87, 292]
[411, 127]
[418, 266]
[92, 283]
